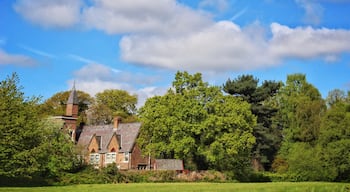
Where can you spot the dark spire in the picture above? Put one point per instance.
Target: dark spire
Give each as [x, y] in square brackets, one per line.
[73, 98]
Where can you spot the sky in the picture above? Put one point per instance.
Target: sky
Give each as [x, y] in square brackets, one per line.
[139, 45]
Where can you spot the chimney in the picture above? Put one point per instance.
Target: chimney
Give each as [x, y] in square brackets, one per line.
[116, 121]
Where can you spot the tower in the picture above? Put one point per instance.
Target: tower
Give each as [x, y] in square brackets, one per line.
[72, 103]
[72, 113]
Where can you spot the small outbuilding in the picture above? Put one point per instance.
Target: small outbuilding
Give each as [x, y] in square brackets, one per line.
[169, 164]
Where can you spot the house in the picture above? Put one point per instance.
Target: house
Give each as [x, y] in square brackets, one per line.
[116, 143]
[105, 144]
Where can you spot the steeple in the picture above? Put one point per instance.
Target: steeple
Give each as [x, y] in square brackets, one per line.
[72, 103]
[73, 98]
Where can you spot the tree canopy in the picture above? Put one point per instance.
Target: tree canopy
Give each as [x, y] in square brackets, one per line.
[111, 103]
[196, 122]
[29, 146]
[268, 135]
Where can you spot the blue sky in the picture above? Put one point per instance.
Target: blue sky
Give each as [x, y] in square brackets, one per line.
[138, 45]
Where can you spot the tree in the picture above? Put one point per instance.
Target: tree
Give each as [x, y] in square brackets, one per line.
[19, 122]
[111, 103]
[56, 105]
[196, 122]
[335, 141]
[301, 110]
[29, 145]
[267, 134]
[300, 114]
[335, 96]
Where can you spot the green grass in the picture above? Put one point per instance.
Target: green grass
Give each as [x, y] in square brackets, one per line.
[195, 187]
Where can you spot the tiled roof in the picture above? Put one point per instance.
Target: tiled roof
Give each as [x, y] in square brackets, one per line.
[169, 164]
[128, 133]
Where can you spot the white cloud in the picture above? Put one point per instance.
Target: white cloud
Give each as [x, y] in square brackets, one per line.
[50, 13]
[221, 47]
[307, 42]
[15, 59]
[170, 35]
[225, 46]
[143, 16]
[313, 11]
[95, 78]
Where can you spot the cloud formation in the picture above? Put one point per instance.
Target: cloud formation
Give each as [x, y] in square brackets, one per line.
[95, 78]
[15, 59]
[225, 46]
[50, 13]
[170, 35]
[143, 16]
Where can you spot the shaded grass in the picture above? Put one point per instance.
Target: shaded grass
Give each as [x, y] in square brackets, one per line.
[194, 187]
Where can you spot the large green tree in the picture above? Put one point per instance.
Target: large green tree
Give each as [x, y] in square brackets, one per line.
[300, 114]
[267, 134]
[334, 139]
[30, 145]
[197, 123]
[111, 103]
[19, 122]
[301, 111]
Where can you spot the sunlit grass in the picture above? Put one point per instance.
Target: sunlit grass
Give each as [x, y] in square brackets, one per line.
[197, 187]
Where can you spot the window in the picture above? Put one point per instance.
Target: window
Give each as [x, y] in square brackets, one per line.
[111, 157]
[94, 158]
[126, 156]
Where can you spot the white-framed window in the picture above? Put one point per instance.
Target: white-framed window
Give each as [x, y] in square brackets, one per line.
[126, 156]
[111, 157]
[94, 158]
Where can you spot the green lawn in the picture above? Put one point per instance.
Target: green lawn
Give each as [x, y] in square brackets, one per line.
[198, 187]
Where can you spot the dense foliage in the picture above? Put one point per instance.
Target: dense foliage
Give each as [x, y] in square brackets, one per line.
[196, 122]
[111, 103]
[30, 145]
[193, 121]
[268, 135]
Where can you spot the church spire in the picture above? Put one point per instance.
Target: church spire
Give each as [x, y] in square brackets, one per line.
[72, 103]
[73, 98]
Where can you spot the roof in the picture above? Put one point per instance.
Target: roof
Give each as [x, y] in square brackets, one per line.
[128, 133]
[73, 98]
[169, 164]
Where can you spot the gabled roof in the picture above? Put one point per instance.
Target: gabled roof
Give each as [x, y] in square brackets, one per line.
[128, 133]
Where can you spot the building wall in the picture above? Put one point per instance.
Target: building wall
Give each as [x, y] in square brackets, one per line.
[93, 146]
[138, 158]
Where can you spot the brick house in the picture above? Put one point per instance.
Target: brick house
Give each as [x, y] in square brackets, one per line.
[105, 144]
[116, 143]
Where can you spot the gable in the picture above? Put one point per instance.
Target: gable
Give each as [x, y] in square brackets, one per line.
[114, 144]
[125, 137]
[93, 145]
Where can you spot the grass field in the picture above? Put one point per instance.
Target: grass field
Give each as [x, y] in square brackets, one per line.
[197, 187]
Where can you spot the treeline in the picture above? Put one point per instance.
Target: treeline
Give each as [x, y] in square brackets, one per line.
[246, 129]
[287, 129]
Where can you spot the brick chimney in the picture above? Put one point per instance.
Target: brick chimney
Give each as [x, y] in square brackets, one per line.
[116, 121]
